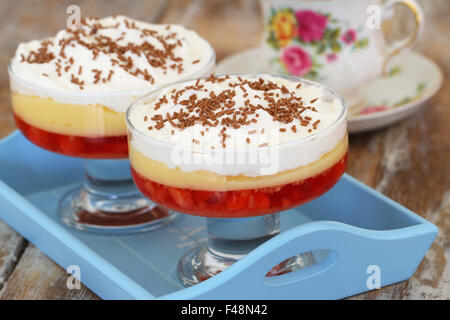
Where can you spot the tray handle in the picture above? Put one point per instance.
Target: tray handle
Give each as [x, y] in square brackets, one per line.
[311, 237]
[345, 271]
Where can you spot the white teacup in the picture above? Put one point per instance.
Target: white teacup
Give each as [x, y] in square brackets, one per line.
[336, 42]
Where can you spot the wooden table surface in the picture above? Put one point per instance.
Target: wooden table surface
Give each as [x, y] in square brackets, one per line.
[408, 162]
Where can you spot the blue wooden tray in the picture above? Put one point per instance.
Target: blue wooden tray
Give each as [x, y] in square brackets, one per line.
[349, 229]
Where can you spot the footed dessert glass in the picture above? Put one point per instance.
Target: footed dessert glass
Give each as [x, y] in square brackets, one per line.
[241, 199]
[69, 95]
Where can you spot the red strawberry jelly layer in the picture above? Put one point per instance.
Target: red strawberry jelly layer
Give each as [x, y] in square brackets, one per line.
[241, 203]
[112, 147]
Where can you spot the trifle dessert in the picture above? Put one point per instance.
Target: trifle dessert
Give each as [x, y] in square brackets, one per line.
[70, 92]
[236, 147]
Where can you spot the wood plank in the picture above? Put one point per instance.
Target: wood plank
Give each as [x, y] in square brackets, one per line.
[12, 246]
[36, 277]
[229, 26]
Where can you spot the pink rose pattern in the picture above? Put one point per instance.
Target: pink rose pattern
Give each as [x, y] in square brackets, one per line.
[311, 25]
[349, 37]
[374, 109]
[297, 61]
[317, 34]
[332, 57]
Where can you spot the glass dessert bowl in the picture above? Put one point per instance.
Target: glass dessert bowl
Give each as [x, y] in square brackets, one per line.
[69, 95]
[237, 150]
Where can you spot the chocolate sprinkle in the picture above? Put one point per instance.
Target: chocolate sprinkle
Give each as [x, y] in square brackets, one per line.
[219, 108]
[161, 56]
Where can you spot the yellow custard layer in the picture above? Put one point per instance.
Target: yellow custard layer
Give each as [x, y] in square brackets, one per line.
[206, 180]
[69, 119]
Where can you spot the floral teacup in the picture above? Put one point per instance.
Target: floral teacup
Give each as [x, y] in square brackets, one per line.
[336, 42]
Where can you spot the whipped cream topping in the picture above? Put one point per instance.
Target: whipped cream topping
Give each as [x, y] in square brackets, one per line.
[239, 114]
[250, 112]
[109, 55]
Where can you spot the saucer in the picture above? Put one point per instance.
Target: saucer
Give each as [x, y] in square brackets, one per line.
[412, 79]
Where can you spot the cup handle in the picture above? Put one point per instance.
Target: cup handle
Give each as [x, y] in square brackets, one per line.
[404, 44]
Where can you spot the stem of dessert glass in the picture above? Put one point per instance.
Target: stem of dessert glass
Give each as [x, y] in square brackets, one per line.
[109, 202]
[238, 236]
[111, 178]
[229, 240]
